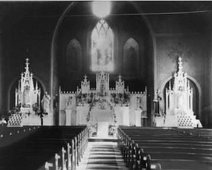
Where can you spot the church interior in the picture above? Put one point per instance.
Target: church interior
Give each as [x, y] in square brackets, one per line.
[89, 85]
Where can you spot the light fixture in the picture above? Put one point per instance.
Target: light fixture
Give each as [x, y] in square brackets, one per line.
[101, 8]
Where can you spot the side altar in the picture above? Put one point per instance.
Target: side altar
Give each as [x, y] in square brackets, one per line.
[28, 103]
[102, 107]
[178, 103]
[27, 95]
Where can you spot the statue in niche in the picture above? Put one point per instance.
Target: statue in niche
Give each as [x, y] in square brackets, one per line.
[26, 96]
[69, 102]
[46, 103]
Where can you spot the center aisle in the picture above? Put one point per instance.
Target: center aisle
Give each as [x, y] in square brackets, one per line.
[102, 156]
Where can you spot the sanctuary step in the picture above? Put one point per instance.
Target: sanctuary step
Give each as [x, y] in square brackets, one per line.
[102, 155]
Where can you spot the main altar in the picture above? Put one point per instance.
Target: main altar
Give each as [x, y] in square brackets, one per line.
[102, 108]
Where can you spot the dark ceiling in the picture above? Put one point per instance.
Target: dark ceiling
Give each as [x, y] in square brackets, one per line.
[12, 12]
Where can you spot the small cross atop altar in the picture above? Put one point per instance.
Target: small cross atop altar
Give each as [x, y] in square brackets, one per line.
[120, 85]
[120, 78]
[27, 65]
[85, 85]
[85, 78]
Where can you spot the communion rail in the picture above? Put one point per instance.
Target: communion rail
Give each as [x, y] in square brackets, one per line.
[55, 147]
[172, 148]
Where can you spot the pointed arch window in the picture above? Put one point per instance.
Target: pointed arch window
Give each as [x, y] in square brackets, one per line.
[73, 55]
[102, 44]
[130, 61]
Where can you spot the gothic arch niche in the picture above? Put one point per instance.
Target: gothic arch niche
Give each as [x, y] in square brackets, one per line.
[102, 47]
[14, 85]
[73, 56]
[196, 96]
[130, 59]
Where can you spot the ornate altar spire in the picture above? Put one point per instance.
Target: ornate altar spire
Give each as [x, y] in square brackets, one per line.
[27, 95]
[85, 85]
[180, 78]
[85, 78]
[27, 65]
[180, 65]
[27, 74]
[120, 85]
[120, 78]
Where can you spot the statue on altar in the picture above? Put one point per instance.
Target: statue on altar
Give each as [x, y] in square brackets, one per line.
[69, 102]
[46, 103]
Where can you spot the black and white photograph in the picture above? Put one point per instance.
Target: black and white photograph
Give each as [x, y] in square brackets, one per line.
[105, 85]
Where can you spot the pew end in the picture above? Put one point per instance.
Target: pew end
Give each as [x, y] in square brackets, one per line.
[155, 165]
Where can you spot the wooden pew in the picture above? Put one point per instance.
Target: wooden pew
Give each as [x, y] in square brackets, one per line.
[134, 156]
[41, 146]
[72, 154]
[165, 145]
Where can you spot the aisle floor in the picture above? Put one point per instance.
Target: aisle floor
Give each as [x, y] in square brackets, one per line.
[102, 156]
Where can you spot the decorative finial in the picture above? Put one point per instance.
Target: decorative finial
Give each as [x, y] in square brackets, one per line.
[27, 65]
[180, 64]
[119, 78]
[36, 85]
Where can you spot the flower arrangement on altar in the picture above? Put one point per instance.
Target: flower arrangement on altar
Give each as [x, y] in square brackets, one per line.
[119, 98]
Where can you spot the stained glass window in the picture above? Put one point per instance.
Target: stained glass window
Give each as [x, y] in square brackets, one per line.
[102, 40]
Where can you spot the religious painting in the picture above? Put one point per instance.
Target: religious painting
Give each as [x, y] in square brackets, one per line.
[102, 40]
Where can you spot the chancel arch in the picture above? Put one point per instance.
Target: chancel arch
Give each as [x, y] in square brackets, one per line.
[130, 59]
[73, 56]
